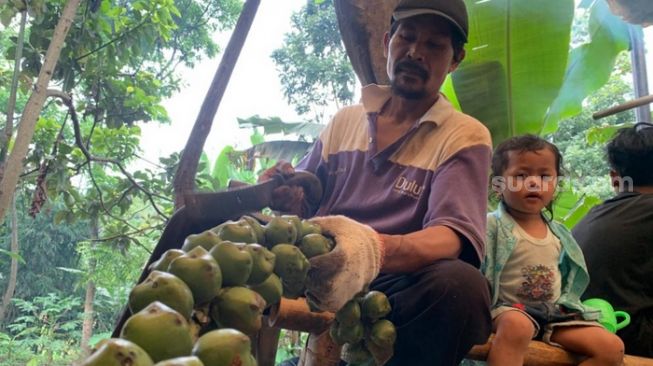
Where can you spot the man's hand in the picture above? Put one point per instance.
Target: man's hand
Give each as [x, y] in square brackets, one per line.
[335, 277]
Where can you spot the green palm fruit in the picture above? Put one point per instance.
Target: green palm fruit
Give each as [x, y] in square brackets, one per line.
[234, 261]
[309, 228]
[224, 347]
[199, 270]
[349, 314]
[263, 263]
[164, 261]
[382, 333]
[161, 331]
[351, 333]
[374, 306]
[181, 361]
[257, 228]
[314, 244]
[239, 308]
[290, 263]
[280, 230]
[237, 232]
[164, 287]
[293, 289]
[270, 289]
[296, 222]
[206, 239]
[118, 352]
[356, 353]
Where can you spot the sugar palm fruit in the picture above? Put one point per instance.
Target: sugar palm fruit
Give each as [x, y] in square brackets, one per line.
[290, 263]
[314, 244]
[199, 270]
[270, 289]
[349, 314]
[382, 333]
[293, 289]
[163, 262]
[309, 228]
[262, 263]
[118, 352]
[346, 333]
[356, 354]
[239, 308]
[237, 231]
[181, 361]
[257, 228]
[374, 306]
[206, 239]
[380, 340]
[161, 331]
[164, 287]
[280, 230]
[296, 222]
[234, 261]
[224, 347]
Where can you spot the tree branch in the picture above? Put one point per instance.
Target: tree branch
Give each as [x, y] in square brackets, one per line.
[67, 100]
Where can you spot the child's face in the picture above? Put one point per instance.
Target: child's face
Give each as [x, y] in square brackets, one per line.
[529, 181]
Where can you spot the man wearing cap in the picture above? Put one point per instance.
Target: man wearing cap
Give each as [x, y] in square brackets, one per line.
[405, 192]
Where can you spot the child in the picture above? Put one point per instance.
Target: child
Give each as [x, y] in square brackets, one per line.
[536, 269]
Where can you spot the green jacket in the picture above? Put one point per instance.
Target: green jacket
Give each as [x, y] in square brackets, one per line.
[501, 242]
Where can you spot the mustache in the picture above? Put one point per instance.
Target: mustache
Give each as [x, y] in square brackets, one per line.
[413, 67]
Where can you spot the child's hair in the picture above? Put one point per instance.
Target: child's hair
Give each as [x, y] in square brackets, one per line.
[630, 153]
[524, 143]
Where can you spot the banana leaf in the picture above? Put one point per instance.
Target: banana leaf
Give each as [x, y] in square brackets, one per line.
[590, 64]
[515, 64]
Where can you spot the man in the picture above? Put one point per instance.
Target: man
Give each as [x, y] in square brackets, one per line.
[414, 171]
[617, 237]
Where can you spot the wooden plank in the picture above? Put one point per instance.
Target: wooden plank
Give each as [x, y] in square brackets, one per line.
[542, 354]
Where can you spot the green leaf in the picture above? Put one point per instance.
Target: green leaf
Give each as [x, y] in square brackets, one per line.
[13, 256]
[515, 62]
[71, 270]
[6, 15]
[280, 150]
[590, 65]
[602, 134]
[221, 169]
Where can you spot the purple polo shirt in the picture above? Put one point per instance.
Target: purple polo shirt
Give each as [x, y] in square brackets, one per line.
[435, 174]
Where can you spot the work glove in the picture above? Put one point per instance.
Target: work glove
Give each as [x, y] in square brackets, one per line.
[335, 277]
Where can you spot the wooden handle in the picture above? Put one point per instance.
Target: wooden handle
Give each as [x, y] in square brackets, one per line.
[295, 315]
[623, 107]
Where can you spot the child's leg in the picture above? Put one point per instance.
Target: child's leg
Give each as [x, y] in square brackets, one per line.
[601, 347]
[513, 332]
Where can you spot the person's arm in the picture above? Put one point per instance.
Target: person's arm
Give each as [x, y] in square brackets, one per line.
[410, 252]
[455, 222]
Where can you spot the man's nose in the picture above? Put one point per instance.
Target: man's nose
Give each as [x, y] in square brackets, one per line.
[414, 52]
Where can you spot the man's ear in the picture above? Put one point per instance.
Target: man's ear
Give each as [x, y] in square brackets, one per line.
[455, 63]
[386, 43]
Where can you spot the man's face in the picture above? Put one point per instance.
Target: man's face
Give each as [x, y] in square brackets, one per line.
[420, 56]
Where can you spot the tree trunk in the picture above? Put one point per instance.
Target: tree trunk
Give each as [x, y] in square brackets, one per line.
[87, 325]
[13, 271]
[14, 166]
[362, 26]
[11, 105]
[185, 176]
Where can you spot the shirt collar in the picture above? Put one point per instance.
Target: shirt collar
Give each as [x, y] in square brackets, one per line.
[374, 96]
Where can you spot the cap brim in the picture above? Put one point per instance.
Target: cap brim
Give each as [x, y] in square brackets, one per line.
[403, 14]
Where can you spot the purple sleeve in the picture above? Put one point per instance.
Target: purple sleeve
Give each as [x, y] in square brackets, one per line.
[312, 161]
[458, 197]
